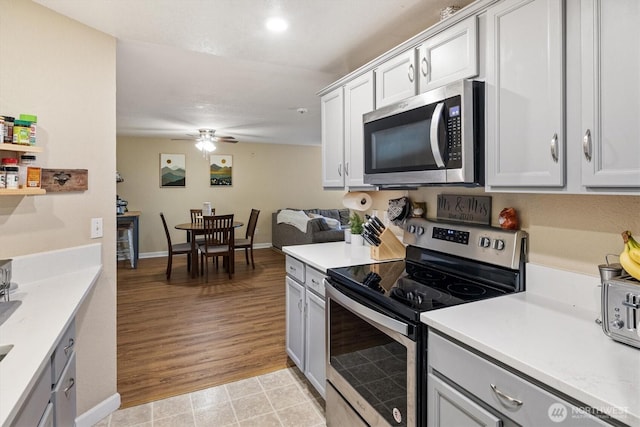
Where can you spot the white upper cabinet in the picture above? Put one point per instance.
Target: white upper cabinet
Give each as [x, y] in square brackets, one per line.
[449, 56]
[332, 112]
[396, 79]
[610, 36]
[359, 96]
[525, 143]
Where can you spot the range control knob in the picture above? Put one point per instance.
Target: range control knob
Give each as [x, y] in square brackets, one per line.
[420, 231]
[485, 242]
[498, 244]
[617, 324]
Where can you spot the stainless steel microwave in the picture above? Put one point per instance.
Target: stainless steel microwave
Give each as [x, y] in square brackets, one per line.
[433, 138]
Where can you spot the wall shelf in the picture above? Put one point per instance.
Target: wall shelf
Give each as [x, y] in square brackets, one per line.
[20, 148]
[22, 191]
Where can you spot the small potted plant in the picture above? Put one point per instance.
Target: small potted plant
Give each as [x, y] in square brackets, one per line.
[355, 224]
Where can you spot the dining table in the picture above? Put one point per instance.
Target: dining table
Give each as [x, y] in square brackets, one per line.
[195, 229]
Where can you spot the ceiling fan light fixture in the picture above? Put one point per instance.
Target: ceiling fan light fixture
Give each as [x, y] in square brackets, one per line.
[205, 145]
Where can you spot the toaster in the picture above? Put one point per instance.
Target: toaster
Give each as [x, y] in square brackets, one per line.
[621, 309]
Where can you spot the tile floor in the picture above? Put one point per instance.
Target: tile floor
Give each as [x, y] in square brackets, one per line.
[279, 399]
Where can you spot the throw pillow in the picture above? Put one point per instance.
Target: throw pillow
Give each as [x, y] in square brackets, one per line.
[344, 216]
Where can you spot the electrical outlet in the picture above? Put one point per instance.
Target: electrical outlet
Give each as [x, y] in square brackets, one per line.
[96, 228]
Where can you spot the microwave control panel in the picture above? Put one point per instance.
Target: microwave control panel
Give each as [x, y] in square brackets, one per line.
[454, 133]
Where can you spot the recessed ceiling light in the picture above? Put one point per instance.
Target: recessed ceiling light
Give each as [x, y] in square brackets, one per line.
[277, 25]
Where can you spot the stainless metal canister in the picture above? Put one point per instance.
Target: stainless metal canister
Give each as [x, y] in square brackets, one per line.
[609, 270]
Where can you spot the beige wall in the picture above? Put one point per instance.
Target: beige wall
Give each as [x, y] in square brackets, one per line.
[265, 176]
[65, 74]
[569, 232]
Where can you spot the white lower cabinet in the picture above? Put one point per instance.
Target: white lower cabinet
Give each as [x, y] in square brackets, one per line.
[305, 323]
[295, 322]
[314, 360]
[449, 407]
[464, 388]
[52, 400]
[37, 405]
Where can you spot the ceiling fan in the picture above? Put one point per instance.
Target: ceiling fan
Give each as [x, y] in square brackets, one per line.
[207, 137]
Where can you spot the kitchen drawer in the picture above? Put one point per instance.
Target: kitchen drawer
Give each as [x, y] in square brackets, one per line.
[295, 269]
[478, 376]
[63, 395]
[63, 352]
[315, 281]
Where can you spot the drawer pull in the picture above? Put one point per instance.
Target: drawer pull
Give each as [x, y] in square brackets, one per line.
[67, 390]
[69, 347]
[510, 400]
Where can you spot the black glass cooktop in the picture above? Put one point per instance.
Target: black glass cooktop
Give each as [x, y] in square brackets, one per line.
[409, 289]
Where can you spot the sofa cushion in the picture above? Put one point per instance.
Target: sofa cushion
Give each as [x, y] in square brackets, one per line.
[327, 223]
[341, 215]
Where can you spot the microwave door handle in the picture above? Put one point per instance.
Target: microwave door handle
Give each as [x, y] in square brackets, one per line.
[435, 143]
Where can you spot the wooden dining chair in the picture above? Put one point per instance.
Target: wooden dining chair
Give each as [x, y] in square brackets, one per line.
[218, 242]
[174, 249]
[247, 242]
[196, 218]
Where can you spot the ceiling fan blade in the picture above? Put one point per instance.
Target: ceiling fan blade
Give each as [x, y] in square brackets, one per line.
[229, 139]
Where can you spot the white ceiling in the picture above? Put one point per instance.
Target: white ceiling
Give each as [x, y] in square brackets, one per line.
[183, 65]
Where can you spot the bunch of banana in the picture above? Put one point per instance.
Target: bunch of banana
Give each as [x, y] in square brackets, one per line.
[630, 257]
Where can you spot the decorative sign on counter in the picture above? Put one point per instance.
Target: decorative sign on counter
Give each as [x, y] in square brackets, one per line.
[474, 209]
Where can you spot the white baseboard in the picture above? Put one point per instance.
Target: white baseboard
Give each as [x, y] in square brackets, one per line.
[164, 253]
[99, 412]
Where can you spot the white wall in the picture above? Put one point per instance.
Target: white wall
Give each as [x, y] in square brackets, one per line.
[569, 232]
[267, 177]
[64, 73]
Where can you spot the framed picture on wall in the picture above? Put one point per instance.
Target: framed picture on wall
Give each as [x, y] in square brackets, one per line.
[173, 170]
[220, 168]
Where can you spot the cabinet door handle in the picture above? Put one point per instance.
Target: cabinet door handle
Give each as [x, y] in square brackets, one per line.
[300, 305]
[424, 67]
[510, 400]
[411, 73]
[554, 147]
[586, 145]
[69, 347]
[67, 390]
[340, 169]
[346, 169]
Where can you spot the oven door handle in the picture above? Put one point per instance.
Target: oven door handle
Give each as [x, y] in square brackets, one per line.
[366, 312]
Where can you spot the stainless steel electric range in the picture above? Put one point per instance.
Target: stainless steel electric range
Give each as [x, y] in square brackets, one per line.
[376, 345]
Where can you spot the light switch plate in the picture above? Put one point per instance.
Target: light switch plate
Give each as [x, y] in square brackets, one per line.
[96, 228]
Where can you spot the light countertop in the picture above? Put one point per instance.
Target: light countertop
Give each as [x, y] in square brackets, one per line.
[323, 256]
[556, 343]
[51, 286]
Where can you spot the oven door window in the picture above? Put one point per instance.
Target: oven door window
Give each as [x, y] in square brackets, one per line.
[371, 362]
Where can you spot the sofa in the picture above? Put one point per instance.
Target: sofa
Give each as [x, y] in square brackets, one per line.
[322, 225]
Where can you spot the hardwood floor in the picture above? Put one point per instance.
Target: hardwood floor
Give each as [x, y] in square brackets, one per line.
[183, 335]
